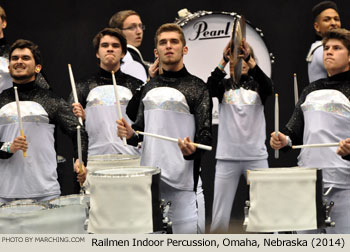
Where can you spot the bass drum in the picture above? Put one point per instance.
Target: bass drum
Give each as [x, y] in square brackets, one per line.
[207, 33]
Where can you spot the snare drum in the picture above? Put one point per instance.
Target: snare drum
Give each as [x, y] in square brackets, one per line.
[21, 219]
[125, 200]
[109, 161]
[284, 199]
[68, 214]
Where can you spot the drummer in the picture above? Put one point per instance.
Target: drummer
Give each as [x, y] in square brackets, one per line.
[326, 18]
[322, 116]
[35, 175]
[97, 98]
[174, 104]
[242, 130]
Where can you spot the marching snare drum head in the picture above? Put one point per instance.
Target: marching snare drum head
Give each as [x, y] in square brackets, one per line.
[207, 34]
[124, 172]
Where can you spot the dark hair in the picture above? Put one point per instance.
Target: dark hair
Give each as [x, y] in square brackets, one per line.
[114, 32]
[2, 14]
[170, 27]
[21, 44]
[340, 34]
[318, 8]
[117, 20]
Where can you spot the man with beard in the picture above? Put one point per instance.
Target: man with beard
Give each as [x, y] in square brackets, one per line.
[5, 80]
[174, 104]
[35, 175]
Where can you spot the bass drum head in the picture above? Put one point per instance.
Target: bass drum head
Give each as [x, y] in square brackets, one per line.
[207, 34]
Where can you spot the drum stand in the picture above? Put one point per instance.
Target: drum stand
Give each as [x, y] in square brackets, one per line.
[167, 224]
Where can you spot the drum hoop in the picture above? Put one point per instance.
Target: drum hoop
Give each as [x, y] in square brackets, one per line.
[24, 205]
[151, 171]
[185, 20]
[70, 196]
[123, 158]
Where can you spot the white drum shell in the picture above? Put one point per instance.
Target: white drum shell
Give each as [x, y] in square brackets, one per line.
[282, 199]
[22, 219]
[68, 214]
[121, 200]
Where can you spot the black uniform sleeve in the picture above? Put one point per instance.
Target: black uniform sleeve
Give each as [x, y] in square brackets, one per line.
[295, 126]
[134, 103]
[265, 87]
[216, 84]
[203, 118]
[4, 154]
[82, 93]
[65, 118]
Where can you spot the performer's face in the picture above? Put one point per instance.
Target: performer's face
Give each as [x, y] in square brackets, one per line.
[110, 52]
[22, 66]
[327, 20]
[170, 49]
[336, 58]
[132, 30]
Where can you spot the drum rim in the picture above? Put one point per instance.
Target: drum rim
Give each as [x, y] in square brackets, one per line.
[125, 157]
[43, 207]
[69, 197]
[151, 171]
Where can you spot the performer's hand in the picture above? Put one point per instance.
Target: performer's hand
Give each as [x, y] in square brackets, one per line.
[278, 142]
[226, 53]
[78, 110]
[245, 49]
[154, 68]
[19, 143]
[124, 129]
[81, 176]
[344, 147]
[186, 147]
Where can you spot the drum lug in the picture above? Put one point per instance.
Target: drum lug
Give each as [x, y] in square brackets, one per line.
[167, 224]
[246, 214]
[328, 221]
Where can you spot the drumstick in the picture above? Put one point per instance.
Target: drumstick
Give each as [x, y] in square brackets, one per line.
[74, 90]
[119, 110]
[296, 94]
[19, 117]
[276, 123]
[80, 154]
[315, 145]
[200, 146]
